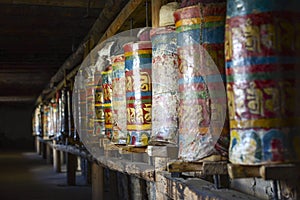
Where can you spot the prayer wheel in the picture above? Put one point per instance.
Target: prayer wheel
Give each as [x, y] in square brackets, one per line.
[262, 66]
[138, 59]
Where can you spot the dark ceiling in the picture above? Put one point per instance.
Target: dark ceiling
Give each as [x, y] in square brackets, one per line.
[36, 37]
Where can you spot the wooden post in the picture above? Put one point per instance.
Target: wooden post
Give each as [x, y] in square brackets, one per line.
[71, 169]
[48, 152]
[56, 159]
[97, 182]
[155, 4]
[44, 151]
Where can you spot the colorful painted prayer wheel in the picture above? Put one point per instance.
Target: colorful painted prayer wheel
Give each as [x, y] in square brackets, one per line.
[202, 106]
[118, 100]
[99, 120]
[262, 66]
[107, 97]
[138, 59]
[164, 85]
[45, 121]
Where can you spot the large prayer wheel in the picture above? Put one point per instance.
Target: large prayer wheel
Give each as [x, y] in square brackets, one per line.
[262, 60]
[202, 100]
[164, 85]
[138, 59]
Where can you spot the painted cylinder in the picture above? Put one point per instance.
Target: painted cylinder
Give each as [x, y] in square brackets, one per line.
[107, 97]
[99, 120]
[90, 103]
[118, 100]
[164, 85]
[138, 59]
[202, 97]
[82, 121]
[45, 122]
[262, 54]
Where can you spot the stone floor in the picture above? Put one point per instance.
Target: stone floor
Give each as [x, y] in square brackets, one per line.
[26, 176]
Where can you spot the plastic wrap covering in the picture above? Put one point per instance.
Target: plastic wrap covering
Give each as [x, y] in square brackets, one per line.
[138, 58]
[99, 121]
[63, 125]
[46, 116]
[102, 62]
[202, 106]
[164, 85]
[92, 98]
[166, 14]
[118, 100]
[53, 119]
[107, 97]
[75, 109]
[70, 119]
[262, 63]
[36, 121]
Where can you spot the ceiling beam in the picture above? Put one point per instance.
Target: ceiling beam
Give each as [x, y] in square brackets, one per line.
[58, 3]
[122, 17]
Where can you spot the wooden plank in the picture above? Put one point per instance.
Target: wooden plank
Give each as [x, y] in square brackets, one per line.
[133, 149]
[267, 172]
[121, 19]
[280, 172]
[58, 3]
[205, 167]
[155, 5]
[238, 171]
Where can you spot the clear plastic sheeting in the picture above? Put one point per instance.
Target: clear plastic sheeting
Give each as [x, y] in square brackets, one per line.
[90, 91]
[118, 100]
[164, 86]
[202, 97]
[37, 121]
[150, 80]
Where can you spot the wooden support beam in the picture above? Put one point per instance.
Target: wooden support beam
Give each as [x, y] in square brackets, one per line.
[56, 159]
[267, 172]
[58, 3]
[155, 4]
[115, 26]
[71, 169]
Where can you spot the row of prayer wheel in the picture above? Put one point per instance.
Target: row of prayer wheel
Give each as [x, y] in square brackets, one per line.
[223, 80]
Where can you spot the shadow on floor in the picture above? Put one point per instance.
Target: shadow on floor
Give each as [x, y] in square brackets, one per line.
[26, 176]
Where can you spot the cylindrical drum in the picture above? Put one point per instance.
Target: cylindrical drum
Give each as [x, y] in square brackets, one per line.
[118, 100]
[262, 63]
[138, 59]
[164, 85]
[202, 104]
[90, 104]
[107, 97]
[99, 121]
[82, 121]
[45, 121]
